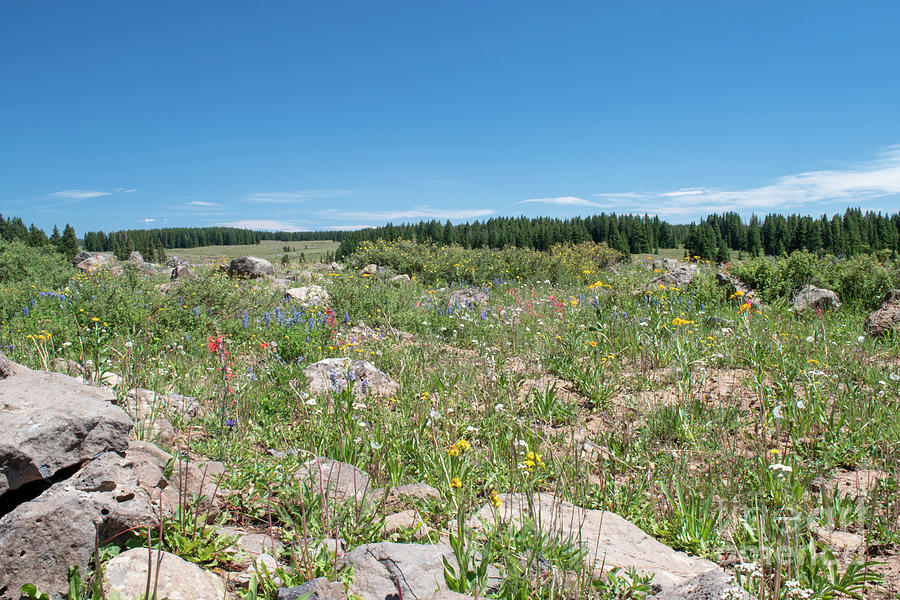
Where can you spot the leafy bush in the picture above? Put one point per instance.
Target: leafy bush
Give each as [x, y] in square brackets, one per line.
[430, 263]
[43, 267]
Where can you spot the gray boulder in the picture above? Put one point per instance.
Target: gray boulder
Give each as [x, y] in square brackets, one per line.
[181, 272]
[332, 375]
[737, 292]
[369, 270]
[175, 579]
[610, 540]
[51, 423]
[250, 267]
[713, 585]
[317, 589]
[810, 297]
[467, 297]
[401, 279]
[680, 276]
[387, 570]
[338, 481]
[887, 318]
[311, 295]
[136, 258]
[96, 262]
[401, 497]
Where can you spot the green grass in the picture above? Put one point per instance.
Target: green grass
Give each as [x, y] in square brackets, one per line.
[699, 421]
[271, 250]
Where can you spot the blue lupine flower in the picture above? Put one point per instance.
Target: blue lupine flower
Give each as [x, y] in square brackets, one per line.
[246, 318]
[231, 423]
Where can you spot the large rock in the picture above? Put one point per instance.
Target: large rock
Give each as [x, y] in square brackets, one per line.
[250, 267]
[311, 295]
[680, 276]
[136, 258]
[95, 262]
[467, 297]
[41, 539]
[175, 579]
[401, 497]
[142, 403]
[737, 292]
[887, 318]
[387, 570]
[713, 585]
[333, 375]
[317, 589]
[50, 423]
[339, 481]
[810, 297]
[610, 540]
[111, 494]
[181, 272]
[369, 270]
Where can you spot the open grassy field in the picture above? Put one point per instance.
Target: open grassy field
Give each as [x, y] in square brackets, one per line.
[758, 440]
[271, 250]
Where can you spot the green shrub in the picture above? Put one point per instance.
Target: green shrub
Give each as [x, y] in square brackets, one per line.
[43, 267]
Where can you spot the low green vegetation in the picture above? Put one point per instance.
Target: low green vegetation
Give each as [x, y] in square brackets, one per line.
[717, 428]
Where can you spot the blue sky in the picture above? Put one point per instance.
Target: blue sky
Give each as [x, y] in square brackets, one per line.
[313, 115]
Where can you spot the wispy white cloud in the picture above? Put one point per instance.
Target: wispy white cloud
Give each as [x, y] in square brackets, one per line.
[866, 181]
[266, 224]
[79, 194]
[440, 182]
[124, 191]
[148, 220]
[347, 227]
[203, 203]
[296, 196]
[560, 201]
[413, 213]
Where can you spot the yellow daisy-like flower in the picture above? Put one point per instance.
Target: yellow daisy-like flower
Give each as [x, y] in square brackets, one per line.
[453, 450]
[456, 483]
[496, 502]
[94, 319]
[463, 444]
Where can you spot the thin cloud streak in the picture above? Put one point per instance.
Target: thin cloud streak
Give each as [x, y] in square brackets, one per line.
[415, 213]
[265, 224]
[203, 204]
[79, 194]
[560, 201]
[296, 196]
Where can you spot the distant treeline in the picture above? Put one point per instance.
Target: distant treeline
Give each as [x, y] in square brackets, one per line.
[152, 243]
[775, 235]
[625, 233]
[713, 238]
[14, 230]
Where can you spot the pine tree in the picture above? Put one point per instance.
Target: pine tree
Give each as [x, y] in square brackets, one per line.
[68, 245]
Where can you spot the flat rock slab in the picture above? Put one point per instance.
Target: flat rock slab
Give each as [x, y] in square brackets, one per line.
[177, 579]
[610, 540]
[379, 569]
[714, 585]
[339, 481]
[49, 422]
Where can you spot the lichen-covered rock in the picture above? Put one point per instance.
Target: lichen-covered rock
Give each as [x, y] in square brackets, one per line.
[333, 375]
[250, 267]
[810, 297]
[887, 318]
